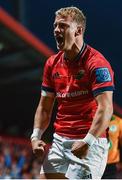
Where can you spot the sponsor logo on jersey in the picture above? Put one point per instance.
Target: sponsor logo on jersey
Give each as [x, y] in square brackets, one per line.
[71, 94]
[102, 75]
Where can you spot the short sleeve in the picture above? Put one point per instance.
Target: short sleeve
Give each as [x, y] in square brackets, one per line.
[101, 75]
[47, 83]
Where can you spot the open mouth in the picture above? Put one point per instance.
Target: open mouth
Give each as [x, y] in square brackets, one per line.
[59, 40]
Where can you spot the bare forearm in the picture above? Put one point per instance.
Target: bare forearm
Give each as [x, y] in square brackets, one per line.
[42, 118]
[43, 113]
[101, 121]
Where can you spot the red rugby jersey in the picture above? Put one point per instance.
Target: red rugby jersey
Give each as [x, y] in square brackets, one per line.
[75, 84]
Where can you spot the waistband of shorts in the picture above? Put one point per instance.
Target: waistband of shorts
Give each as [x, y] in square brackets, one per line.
[61, 138]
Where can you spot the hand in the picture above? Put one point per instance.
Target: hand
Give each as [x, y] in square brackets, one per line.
[38, 147]
[80, 149]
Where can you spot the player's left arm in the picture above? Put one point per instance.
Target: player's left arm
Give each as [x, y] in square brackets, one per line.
[103, 114]
[99, 125]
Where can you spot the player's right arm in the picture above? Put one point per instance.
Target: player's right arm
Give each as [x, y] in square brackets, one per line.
[44, 109]
[41, 122]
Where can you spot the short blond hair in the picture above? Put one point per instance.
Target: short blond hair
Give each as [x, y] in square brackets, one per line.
[75, 13]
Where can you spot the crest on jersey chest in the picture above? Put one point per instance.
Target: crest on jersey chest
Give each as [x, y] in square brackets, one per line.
[80, 74]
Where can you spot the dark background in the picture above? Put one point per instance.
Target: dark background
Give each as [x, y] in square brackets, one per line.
[104, 32]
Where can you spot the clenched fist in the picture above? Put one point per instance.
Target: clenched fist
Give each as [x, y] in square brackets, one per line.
[38, 147]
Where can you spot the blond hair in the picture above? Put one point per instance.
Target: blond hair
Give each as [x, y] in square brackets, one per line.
[76, 14]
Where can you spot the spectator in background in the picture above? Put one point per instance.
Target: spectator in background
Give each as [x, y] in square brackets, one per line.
[115, 140]
[16, 160]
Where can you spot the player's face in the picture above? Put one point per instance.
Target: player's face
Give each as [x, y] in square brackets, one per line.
[64, 32]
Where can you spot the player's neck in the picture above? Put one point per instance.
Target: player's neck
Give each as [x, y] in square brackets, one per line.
[71, 54]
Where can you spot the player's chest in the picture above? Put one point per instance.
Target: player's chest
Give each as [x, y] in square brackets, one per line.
[70, 78]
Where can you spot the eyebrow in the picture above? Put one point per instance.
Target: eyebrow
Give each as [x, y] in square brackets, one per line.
[60, 22]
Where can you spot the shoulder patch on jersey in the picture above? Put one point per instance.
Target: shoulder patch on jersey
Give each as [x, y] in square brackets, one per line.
[102, 75]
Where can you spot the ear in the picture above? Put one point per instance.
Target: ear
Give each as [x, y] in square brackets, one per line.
[78, 31]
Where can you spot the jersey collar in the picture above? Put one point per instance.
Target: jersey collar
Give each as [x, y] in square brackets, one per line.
[79, 54]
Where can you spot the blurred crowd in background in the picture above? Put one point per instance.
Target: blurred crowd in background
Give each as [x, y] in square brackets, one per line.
[17, 160]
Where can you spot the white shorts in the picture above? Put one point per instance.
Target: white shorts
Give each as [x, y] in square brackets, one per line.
[59, 159]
